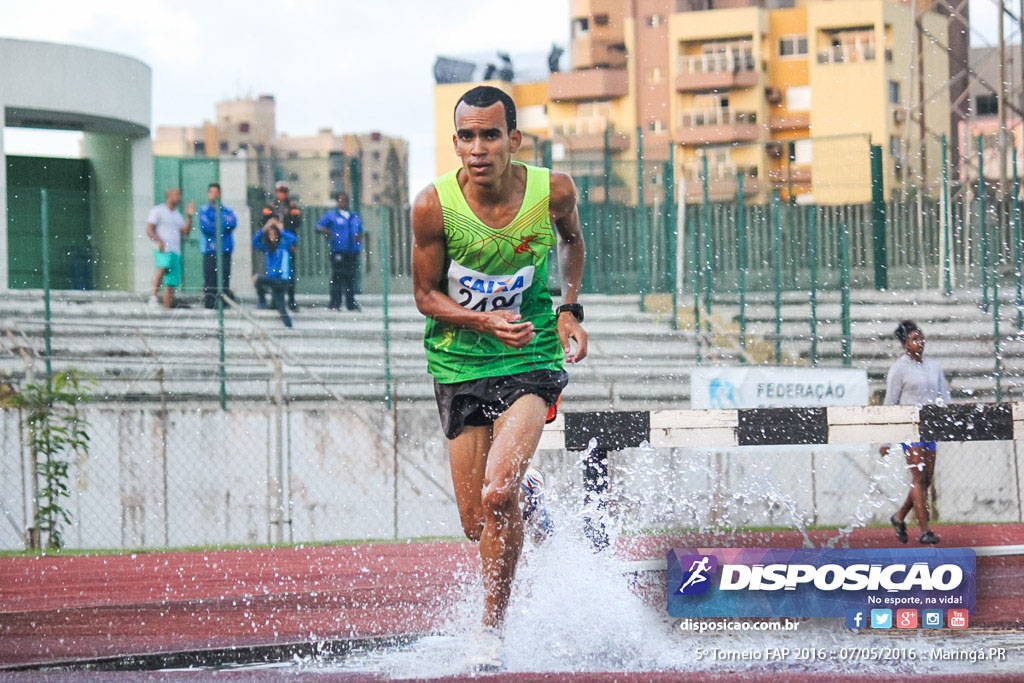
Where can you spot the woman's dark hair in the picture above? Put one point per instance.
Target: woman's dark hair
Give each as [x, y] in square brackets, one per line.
[271, 225]
[904, 329]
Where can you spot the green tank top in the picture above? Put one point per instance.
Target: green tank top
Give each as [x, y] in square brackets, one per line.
[488, 269]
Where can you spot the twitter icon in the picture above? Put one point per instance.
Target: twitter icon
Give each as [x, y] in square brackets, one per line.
[881, 618]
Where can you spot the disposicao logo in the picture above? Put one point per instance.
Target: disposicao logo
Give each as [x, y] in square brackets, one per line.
[822, 582]
[697, 579]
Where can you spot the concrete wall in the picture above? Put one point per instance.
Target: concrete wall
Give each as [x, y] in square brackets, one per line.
[47, 85]
[113, 215]
[233, 190]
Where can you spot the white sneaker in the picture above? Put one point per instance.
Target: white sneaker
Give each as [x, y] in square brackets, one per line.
[153, 301]
[485, 650]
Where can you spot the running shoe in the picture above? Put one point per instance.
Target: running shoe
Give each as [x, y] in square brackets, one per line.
[929, 538]
[486, 650]
[535, 514]
[153, 301]
[900, 527]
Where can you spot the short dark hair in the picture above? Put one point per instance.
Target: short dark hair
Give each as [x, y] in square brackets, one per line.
[904, 329]
[484, 96]
[213, 185]
[339, 193]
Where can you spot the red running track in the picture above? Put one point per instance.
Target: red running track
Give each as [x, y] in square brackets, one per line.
[84, 607]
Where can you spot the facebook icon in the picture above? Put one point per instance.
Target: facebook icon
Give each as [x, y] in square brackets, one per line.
[856, 618]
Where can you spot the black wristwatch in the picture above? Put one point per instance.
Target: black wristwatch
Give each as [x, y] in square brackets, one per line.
[575, 309]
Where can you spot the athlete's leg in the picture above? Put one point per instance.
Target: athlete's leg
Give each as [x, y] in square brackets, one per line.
[927, 476]
[467, 455]
[516, 435]
[168, 296]
[918, 491]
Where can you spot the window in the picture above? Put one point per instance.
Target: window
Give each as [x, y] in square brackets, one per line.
[260, 148]
[600, 20]
[793, 46]
[656, 126]
[532, 116]
[293, 177]
[224, 146]
[654, 21]
[293, 155]
[199, 148]
[376, 177]
[243, 127]
[580, 27]
[803, 152]
[894, 92]
[798, 98]
[376, 156]
[895, 147]
[987, 105]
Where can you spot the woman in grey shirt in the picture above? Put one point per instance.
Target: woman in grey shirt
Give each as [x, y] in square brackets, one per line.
[915, 380]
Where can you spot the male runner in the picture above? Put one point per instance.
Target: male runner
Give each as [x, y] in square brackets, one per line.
[495, 346]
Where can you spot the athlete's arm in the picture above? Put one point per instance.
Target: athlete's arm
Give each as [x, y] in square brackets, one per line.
[572, 254]
[428, 256]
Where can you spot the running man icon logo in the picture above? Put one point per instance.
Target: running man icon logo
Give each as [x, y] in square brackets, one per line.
[697, 568]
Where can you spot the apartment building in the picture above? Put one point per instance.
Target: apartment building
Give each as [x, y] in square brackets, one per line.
[983, 117]
[316, 166]
[790, 95]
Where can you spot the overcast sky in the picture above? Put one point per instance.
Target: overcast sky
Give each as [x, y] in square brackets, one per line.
[353, 66]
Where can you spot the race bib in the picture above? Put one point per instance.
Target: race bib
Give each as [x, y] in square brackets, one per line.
[481, 292]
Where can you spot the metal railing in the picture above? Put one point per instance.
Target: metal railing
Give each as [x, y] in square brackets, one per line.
[848, 53]
[716, 117]
[719, 62]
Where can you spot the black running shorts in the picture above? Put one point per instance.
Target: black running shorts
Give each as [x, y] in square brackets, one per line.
[479, 402]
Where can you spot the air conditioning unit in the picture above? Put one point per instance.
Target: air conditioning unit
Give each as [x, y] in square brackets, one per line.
[899, 116]
[773, 95]
[774, 149]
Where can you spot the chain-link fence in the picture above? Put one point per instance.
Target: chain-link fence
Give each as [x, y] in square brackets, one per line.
[295, 473]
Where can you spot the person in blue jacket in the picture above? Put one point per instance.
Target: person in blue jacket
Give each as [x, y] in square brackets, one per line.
[208, 245]
[344, 232]
[275, 243]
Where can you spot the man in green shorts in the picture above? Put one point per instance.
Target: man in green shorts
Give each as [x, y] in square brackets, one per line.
[166, 226]
[495, 345]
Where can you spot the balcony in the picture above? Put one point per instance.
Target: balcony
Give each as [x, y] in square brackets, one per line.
[588, 84]
[790, 121]
[800, 175]
[848, 53]
[724, 71]
[717, 126]
[722, 181]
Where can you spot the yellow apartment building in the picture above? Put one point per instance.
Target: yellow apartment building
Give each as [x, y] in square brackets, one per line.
[790, 94]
